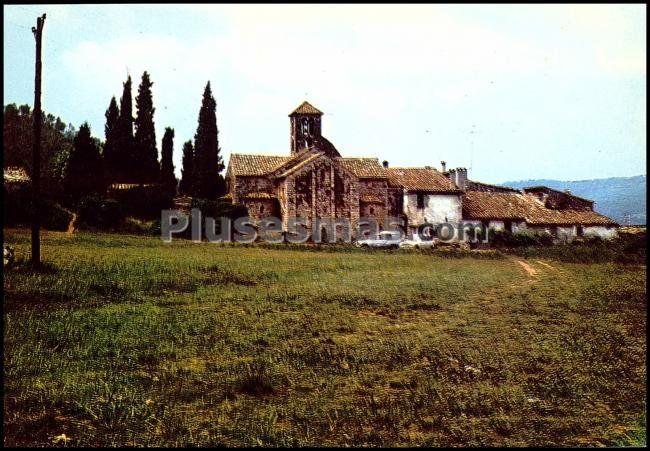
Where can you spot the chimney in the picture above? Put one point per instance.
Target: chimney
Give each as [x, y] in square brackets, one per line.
[461, 177]
[444, 165]
[452, 175]
[385, 164]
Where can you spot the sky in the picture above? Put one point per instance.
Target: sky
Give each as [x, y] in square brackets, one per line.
[511, 92]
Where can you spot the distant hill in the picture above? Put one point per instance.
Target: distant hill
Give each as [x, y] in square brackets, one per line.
[620, 198]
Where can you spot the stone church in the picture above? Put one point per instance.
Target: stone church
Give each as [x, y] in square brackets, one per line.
[315, 181]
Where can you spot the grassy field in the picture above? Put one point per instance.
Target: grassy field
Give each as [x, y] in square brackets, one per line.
[124, 340]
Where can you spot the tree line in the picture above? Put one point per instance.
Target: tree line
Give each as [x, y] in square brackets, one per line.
[77, 164]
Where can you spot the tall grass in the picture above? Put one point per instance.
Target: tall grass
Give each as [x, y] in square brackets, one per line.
[129, 341]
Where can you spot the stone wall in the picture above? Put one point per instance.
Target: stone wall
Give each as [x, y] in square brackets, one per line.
[262, 208]
[320, 190]
[245, 185]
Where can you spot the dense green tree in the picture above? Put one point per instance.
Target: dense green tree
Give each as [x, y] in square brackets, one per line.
[187, 171]
[56, 142]
[146, 153]
[167, 176]
[84, 172]
[124, 152]
[112, 164]
[207, 179]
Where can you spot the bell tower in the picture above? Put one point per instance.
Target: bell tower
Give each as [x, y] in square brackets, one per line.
[305, 122]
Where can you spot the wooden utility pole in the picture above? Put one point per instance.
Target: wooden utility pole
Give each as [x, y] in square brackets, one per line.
[36, 167]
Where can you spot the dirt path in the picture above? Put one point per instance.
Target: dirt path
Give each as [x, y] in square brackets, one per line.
[529, 269]
[549, 266]
[73, 221]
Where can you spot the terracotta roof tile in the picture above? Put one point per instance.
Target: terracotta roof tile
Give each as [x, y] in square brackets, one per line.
[299, 163]
[306, 108]
[252, 165]
[473, 185]
[371, 199]
[364, 167]
[490, 205]
[260, 165]
[534, 189]
[259, 195]
[421, 179]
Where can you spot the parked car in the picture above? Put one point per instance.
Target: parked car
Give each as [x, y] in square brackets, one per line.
[417, 242]
[390, 239]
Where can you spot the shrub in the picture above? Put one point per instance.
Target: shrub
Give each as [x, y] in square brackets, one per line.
[144, 202]
[97, 212]
[521, 238]
[218, 208]
[54, 216]
[215, 209]
[18, 210]
[623, 249]
[16, 205]
[545, 239]
[135, 226]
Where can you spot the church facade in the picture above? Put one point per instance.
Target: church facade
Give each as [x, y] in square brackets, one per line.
[316, 181]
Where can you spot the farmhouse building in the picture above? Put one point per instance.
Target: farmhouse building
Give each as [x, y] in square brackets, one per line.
[516, 211]
[316, 182]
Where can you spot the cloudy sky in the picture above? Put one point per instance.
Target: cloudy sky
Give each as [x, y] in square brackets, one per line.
[511, 92]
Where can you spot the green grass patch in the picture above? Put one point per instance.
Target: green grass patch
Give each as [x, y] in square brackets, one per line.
[128, 341]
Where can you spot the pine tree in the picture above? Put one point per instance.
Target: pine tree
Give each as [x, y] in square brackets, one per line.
[207, 180]
[167, 176]
[124, 155]
[110, 149]
[146, 153]
[84, 171]
[187, 171]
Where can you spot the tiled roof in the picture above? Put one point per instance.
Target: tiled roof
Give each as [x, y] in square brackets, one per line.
[473, 185]
[259, 195]
[586, 217]
[371, 199]
[15, 175]
[243, 164]
[534, 189]
[259, 165]
[421, 179]
[298, 157]
[306, 108]
[364, 167]
[293, 166]
[489, 205]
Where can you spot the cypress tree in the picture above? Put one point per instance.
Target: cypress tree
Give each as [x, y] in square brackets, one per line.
[167, 176]
[124, 155]
[208, 164]
[187, 171]
[146, 153]
[110, 131]
[84, 171]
